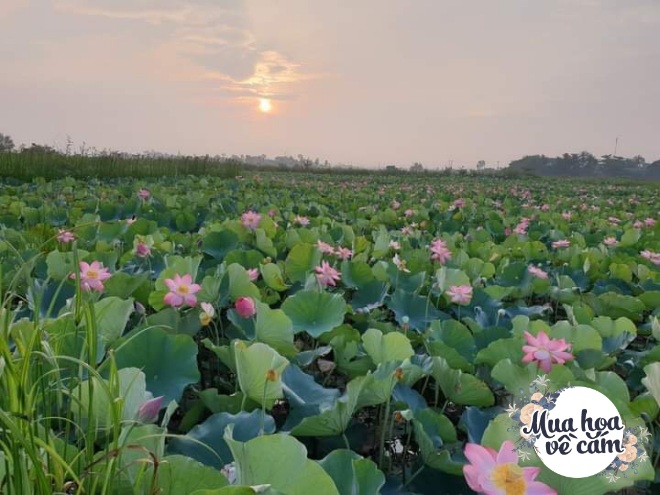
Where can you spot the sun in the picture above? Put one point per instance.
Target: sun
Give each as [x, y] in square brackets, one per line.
[265, 106]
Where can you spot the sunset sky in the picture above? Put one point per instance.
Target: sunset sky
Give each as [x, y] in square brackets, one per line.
[367, 82]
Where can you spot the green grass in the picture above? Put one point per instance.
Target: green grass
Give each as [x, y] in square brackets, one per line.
[51, 165]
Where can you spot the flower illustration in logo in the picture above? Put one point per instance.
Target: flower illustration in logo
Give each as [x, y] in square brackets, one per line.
[629, 455]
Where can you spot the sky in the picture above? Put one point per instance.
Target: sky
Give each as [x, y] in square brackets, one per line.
[362, 82]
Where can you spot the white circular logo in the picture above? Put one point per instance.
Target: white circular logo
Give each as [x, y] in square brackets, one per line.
[576, 433]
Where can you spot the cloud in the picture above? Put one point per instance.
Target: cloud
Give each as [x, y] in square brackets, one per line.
[208, 42]
[152, 12]
[9, 7]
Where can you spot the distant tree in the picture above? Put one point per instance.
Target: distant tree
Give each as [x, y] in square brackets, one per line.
[38, 148]
[481, 164]
[6, 143]
[417, 167]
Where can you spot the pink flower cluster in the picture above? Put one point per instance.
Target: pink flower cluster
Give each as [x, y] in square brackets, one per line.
[460, 294]
[92, 276]
[440, 252]
[537, 272]
[326, 275]
[561, 243]
[182, 291]
[651, 256]
[65, 236]
[545, 351]
[521, 228]
[341, 252]
[250, 220]
[300, 220]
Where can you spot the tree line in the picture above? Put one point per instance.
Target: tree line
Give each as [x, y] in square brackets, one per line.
[586, 165]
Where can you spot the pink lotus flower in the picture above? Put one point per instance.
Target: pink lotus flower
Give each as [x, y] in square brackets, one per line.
[395, 245]
[132, 220]
[651, 256]
[272, 212]
[545, 207]
[144, 194]
[498, 473]
[343, 253]
[614, 220]
[182, 291]
[460, 294]
[638, 224]
[250, 220]
[396, 205]
[567, 215]
[537, 272]
[545, 351]
[610, 241]
[245, 307]
[149, 410]
[142, 250]
[407, 230]
[408, 213]
[253, 273]
[562, 243]
[459, 203]
[649, 222]
[522, 227]
[92, 276]
[324, 247]
[326, 275]
[439, 251]
[65, 236]
[304, 221]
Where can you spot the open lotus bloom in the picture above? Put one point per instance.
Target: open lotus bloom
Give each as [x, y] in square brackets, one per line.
[546, 351]
[498, 473]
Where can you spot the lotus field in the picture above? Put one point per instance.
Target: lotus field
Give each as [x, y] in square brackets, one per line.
[308, 334]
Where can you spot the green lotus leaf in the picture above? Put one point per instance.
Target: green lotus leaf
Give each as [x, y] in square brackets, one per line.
[61, 265]
[652, 380]
[352, 474]
[259, 369]
[356, 274]
[301, 260]
[178, 474]
[131, 389]
[419, 310]
[169, 361]
[206, 444]
[112, 315]
[273, 327]
[334, 421]
[218, 244]
[447, 277]
[273, 277]
[281, 462]
[459, 387]
[315, 312]
[499, 350]
[382, 348]
[432, 431]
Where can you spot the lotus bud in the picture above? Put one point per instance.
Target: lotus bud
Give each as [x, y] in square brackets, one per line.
[149, 410]
[245, 307]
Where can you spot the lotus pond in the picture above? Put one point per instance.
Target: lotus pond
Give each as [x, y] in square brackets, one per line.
[306, 334]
